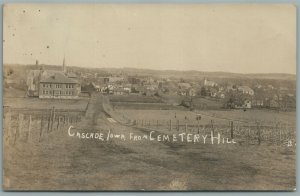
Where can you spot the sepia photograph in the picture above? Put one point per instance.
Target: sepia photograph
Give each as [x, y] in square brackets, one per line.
[149, 97]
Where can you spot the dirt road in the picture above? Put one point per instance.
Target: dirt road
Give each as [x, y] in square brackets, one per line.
[61, 162]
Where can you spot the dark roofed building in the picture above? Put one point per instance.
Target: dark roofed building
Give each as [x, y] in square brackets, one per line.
[55, 84]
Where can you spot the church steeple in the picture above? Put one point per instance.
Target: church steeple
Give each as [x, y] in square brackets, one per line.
[64, 65]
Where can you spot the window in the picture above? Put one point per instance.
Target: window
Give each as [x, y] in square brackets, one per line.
[46, 85]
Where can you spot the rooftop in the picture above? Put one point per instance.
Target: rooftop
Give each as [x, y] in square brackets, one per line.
[56, 77]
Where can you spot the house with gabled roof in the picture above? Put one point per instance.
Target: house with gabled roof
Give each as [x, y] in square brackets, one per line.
[246, 90]
[57, 85]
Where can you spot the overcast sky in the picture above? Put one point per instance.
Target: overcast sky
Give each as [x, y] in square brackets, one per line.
[236, 38]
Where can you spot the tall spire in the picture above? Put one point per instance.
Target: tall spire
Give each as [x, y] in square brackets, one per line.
[64, 65]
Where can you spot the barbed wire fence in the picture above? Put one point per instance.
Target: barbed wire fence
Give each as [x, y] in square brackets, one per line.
[246, 133]
[34, 125]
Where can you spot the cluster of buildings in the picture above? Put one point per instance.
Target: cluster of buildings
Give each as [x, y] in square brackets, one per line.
[124, 85]
[59, 83]
[235, 96]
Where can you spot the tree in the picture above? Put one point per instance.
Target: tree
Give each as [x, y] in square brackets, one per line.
[203, 91]
[235, 98]
[230, 102]
[10, 72]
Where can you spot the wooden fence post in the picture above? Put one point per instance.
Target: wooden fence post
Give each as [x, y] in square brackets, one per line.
[7, 122]
[277, 129]
[29, 128]
[212, 126]
[41, 129]
[64, 120]
[258, 133]
[15, 136]
[48, 123]
[249, 136]
[50, 119]
[20, 124]
[280, 136]
[58, 122]
[53, 119]
[231, 129]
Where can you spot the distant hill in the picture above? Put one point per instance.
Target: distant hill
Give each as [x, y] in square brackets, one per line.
[194, 73]
[166, 73]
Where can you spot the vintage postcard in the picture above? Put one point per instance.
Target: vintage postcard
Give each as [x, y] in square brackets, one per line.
[149, 97]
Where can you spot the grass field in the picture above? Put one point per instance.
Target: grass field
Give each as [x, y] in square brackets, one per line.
[166, 115]
[36, 103]
[205, 103]
[134, 99]
[141, 103]
[254, 115]
[220, 117]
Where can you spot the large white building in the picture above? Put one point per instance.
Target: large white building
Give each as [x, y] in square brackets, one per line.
[56, 84]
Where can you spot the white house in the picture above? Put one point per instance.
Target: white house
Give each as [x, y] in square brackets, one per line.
[210, 83]
[246, 90]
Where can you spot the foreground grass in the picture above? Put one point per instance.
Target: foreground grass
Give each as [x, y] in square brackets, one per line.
[60, 162]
